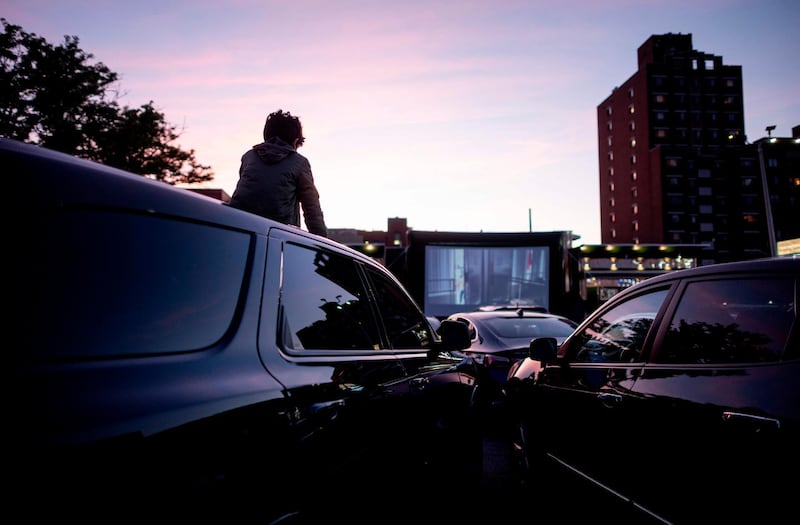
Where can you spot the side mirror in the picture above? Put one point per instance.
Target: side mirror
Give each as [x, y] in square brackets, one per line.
[455, 335]
[544, 349]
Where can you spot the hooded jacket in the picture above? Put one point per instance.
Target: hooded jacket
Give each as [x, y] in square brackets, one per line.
[274, 182]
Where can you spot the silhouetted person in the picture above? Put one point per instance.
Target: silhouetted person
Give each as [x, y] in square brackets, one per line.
[275, 180]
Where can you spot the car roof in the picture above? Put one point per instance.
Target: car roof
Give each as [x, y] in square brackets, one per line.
[48, 180]
[507, 314]
[718, 269]
[511, 307]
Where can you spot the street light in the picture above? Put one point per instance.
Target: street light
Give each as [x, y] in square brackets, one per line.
[769, 130]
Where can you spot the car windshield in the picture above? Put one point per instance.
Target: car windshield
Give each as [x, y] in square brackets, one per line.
[515, 327]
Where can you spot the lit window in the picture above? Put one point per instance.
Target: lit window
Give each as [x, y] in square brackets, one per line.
[608, 110]
[635, 208]
[633, 159]
[661, 133]
[630, 93]
[633, 142]
[631, 110]
[611, 171]
[613, 217]
[634, 175]
[661, 99]
[632, 126]
[609, 141]
[672, 163]
[610, 155]
[611, 186]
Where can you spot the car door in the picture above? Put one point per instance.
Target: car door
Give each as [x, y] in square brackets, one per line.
[352, 363]
[587, 412]
[722, 402]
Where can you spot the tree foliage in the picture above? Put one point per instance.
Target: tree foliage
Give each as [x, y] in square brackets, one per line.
[55, 97]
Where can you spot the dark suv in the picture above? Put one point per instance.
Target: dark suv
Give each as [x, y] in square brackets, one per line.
[677, 400]
[173, 358]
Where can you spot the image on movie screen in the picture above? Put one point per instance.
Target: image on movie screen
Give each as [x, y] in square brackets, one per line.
[459, 278]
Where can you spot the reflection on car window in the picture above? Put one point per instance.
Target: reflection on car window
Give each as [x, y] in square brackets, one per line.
[405, 324]
[324, 303]
[731, 321]
[618, 334]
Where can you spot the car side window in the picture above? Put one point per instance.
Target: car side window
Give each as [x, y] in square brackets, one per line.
[324, 302]
[731, 321]
[618, 334]
[405, 324]
[120, 284]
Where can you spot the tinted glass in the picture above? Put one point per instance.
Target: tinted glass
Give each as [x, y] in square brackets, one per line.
[106, 284]
[324, 302]
[730, 321]
[405, 325]
[529, 328]
[619, 333]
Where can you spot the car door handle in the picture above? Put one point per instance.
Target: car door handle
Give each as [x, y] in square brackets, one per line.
[327, 410]
[752, 421]
[419, 383]
[609, 399]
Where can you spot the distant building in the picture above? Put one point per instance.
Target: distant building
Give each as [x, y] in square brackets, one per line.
[384, 246]
[779, 158]
[216, 193]
[675, 166]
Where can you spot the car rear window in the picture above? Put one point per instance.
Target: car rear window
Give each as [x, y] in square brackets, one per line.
[103, 284]
[518, 327]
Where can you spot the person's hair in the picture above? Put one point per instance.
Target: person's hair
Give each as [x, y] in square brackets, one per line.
[284, 125]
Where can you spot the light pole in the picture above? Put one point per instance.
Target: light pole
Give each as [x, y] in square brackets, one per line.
[765, 189]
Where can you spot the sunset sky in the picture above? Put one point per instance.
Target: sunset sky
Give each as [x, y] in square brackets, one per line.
[456, 115]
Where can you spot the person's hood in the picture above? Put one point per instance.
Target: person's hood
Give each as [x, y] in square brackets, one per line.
[274, 150]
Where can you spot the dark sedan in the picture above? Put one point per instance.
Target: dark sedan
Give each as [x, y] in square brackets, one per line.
[501, 335]
[677, 400]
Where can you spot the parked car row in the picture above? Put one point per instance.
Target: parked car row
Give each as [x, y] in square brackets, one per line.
[173, 358]
[678, 399]
[177, 359]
